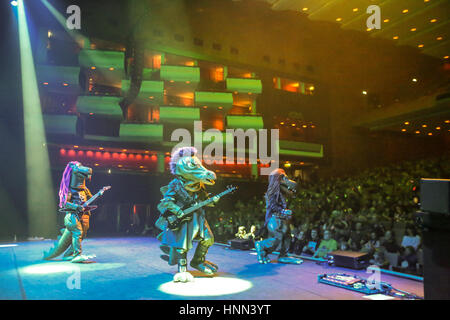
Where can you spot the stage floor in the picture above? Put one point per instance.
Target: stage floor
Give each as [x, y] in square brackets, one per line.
[131, 269]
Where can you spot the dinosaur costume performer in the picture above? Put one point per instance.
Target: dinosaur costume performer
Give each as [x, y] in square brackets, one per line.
[186, 189]
[277, 217]
[72, 194]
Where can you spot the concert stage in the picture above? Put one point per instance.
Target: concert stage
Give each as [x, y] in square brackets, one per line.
[131, 269]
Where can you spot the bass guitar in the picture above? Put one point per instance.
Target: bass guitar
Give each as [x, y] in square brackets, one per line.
[87, 205]
[173, 221]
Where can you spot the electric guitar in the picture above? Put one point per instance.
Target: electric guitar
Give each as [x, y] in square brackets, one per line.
[173, 221]
[87, 205]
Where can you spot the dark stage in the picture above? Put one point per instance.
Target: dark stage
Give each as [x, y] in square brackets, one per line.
[131, 269]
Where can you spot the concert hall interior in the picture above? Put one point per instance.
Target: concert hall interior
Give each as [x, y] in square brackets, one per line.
[351, 99]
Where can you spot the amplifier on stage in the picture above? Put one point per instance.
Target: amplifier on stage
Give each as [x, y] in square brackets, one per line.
[350, 259]
[241, 244]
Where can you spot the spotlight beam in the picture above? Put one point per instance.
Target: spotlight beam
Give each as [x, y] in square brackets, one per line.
[40, 196]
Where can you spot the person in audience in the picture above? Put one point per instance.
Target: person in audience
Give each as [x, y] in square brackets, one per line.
[379, 259]
[300, 242]
[409, 261]
[411, 238]
[326, 245]
[252, 234]
[389, 243]
[313, 243]
[241, 233]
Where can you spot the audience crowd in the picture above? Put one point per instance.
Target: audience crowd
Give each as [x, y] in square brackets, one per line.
[371, 212]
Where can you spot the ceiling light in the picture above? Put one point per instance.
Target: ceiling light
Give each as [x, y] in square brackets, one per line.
[438, 128]
[364, 92]
[403, 130]
[420, 45]
[305, 9]
[355, 9]
[395, 37]
[417, 132]
[339, 19]
[433, 20]
[430, 134]
[414, 80]
[413, 29]
[406, 122]
[386, 20]
[424, 126]
[439, 38]
[446, 57]
[405, 11]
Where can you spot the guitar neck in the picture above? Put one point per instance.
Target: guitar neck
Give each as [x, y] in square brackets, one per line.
[93, 198]
[205, 202]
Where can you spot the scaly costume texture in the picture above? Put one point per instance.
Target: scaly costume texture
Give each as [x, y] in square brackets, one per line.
[72, 194]
[277, 217]
[187, 188]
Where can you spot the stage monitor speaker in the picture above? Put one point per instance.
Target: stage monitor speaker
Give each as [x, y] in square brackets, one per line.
[435, 195]
[435, 223]
[350, 259]
[241, 244]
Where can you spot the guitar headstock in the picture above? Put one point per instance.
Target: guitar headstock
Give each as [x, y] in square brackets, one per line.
[106, 188]
[231, 188]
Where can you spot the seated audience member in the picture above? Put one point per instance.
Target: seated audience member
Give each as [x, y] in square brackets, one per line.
[379, 259]
[252, 234]
[241, 233]
[408, 261]
[357, 237]
[389, 243]
[300, 242]
[343, 245]
[313, 243]
[411, 238]
[326, 245]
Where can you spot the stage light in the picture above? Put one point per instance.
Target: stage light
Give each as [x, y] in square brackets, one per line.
[216, 286]
[14, 3]
[41, 206]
